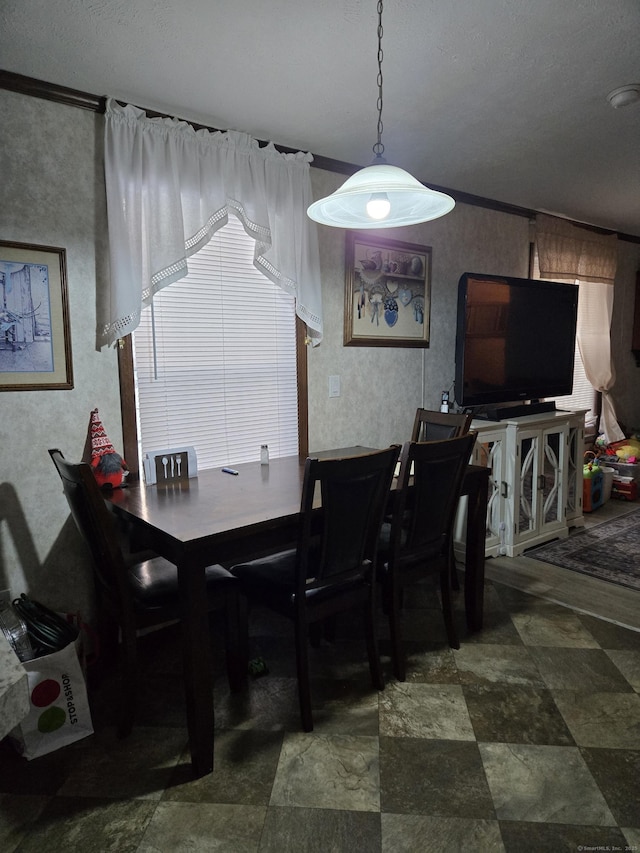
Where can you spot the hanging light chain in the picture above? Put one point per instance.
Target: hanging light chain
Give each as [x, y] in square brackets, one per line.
[378, 148]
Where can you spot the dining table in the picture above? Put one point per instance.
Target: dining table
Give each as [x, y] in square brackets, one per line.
[218, 517]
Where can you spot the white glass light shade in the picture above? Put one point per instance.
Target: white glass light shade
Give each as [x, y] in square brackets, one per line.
[411, 202]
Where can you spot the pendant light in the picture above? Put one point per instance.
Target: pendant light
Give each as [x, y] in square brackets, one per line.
[380, 195]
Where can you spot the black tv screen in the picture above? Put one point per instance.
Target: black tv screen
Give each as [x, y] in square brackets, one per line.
[515, 339]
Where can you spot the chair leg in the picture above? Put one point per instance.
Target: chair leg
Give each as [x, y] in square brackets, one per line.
[455, 580]
[129, 670]
[237, 642]
[329, 628]
[393, 596]
[373, 652]
[447, 608]
[315, 634]
[304, 686]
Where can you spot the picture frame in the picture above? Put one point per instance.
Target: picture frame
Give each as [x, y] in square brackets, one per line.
[35, 340]
[387, 292]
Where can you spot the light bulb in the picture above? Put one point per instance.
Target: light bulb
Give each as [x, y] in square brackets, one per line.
[378, 206]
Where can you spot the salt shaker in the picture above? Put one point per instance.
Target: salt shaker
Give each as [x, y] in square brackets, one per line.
[264, 454]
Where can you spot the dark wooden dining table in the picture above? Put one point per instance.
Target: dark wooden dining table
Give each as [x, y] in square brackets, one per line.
[218, 517]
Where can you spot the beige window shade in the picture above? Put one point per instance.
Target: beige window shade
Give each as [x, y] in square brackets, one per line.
[215, 359]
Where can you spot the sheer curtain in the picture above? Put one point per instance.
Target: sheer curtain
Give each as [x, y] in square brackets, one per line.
[590, 259]
[170, 187]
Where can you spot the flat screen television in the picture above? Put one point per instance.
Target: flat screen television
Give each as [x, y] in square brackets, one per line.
[515, 340]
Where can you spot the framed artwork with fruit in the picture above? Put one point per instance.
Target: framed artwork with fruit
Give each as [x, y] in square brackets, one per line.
[387, 292]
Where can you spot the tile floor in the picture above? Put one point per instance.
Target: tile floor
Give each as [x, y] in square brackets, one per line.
[526, 739]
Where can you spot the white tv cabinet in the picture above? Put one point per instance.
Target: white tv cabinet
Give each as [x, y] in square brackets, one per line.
[535, 488]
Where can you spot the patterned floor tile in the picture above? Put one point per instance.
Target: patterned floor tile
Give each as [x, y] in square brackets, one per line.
[410, 833]
[69, 823]
[203, 827]
[628, 662]
[515, 714]
[245, 762]
[488, 664]
[553, 625]
[601, 719]
[113, 767]
[429, 663]
[578, 669]
[425, 711]
[17, 816]
[526, 738]
[617, 772]
[433, 777]
[611, 636]
[520, 837]
[545, 784]
[292, 830]
[329, 772]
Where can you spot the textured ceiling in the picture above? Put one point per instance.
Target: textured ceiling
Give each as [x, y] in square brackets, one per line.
[504, 99]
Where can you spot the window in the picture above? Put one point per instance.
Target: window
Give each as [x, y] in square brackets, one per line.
[216, 360]
[583, 395]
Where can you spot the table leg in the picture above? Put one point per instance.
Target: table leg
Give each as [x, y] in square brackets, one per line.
[197, 667]
[474, 552]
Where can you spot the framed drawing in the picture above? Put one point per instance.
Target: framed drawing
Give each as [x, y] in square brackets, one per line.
[35, 343]
[387, 293]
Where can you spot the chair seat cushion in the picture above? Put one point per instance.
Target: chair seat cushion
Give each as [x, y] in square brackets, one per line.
[272, 580]
[273, 575]
[154, 584]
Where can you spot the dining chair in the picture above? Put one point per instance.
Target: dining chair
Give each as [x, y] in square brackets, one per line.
[135, 593]
[434, 426]
[417, 542]
[332, 567]
[430, 425]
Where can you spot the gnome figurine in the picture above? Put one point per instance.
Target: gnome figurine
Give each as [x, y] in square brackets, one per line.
[109, 467]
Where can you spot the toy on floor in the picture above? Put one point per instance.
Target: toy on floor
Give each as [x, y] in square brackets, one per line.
[592, 484]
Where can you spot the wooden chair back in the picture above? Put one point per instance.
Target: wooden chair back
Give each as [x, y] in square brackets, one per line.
[436, 426]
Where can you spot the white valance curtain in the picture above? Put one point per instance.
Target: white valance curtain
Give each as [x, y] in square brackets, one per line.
[170, 187]
[566, 251]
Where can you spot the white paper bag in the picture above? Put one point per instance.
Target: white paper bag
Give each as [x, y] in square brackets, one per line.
[60, 711]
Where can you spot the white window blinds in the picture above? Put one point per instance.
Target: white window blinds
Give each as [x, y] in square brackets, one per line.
[215, 359]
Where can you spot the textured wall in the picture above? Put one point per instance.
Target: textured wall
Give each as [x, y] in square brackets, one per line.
[53, 195]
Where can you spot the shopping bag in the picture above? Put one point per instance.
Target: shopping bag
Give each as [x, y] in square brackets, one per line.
[59, 708]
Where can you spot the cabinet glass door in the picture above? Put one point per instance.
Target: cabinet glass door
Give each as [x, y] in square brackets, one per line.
[489, 452]
[526, 519]
[551, 484]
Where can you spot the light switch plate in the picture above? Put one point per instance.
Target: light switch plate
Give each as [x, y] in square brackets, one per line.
[334, 386]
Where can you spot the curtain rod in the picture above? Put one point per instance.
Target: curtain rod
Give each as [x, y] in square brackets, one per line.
[97, 103]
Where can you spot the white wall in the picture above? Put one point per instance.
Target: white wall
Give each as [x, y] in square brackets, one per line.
[53, 194]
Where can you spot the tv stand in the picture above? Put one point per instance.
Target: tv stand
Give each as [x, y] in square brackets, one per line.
[535, 490]
[503, 413]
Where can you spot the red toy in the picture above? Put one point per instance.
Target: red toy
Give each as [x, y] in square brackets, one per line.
[625, 489]
[108, 466]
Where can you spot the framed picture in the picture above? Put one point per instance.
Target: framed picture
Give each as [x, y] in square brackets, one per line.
[35, 343]
[387, 293]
